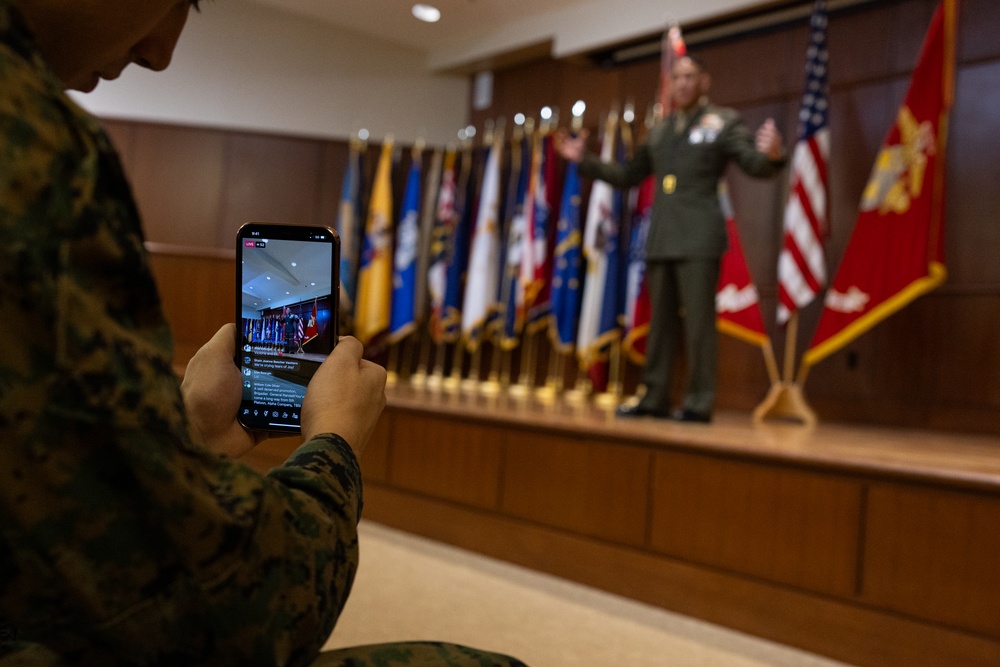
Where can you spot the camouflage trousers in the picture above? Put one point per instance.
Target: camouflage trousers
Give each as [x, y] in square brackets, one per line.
[424, 654]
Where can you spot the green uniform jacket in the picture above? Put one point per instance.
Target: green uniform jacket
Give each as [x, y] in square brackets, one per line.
[687, 220]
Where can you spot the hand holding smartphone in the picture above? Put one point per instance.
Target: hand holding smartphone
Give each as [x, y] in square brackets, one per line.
[287, 314]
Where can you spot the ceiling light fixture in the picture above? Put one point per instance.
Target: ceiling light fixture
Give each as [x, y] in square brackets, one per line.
[427, 13]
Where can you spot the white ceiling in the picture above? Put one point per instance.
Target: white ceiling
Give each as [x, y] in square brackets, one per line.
[273, 276]
[476, 31]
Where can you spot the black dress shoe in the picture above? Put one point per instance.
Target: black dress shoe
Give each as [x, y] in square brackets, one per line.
[685, 415]
[640, 410]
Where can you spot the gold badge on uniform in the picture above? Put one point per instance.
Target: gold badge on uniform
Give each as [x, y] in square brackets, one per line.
[669, 184]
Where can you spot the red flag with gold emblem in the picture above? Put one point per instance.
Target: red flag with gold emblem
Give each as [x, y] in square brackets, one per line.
[896, 252]
[737, 303]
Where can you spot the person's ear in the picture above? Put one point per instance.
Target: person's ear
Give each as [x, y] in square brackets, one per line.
[706, 82]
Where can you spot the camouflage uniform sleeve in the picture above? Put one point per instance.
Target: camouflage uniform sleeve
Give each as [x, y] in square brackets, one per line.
[123, 541]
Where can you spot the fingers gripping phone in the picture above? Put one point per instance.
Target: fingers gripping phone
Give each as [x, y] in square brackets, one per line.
[287, 305]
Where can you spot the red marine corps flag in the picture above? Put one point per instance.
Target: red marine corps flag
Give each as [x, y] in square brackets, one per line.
[896, 252]
[737, 303]
[311, 328]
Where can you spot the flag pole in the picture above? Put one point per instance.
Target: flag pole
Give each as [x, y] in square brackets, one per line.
[471, 383]
[419, 377]
[581, 390]
[612, 396]
[791, 341]
[506, 362]
[770, 362]
[550, 390]
[523, 387]
[436, 379]
[403, 367]
[491, 386]
[785, 399]
[391, 375]
[560, 375]
[454, 378]
[803, 374]
[534, 386]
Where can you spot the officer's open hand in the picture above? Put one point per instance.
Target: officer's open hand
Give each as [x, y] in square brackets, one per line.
[570, 146]
[768, 140]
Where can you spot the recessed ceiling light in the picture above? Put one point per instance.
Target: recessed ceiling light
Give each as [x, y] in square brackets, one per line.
[427, 13]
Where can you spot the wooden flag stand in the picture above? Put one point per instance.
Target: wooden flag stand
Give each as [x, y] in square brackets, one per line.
[785, 399]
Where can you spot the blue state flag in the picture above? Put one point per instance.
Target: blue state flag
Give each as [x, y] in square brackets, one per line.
[566, 269]
[509, 323]
[403, 319]
[600, 245]
[349, 227]
[458, 258]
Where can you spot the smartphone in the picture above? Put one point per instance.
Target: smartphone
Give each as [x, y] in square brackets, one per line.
[287, 303]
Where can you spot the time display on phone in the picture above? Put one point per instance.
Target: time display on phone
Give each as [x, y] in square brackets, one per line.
[287, 318]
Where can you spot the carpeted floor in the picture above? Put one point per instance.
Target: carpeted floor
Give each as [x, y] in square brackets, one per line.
[410, 588]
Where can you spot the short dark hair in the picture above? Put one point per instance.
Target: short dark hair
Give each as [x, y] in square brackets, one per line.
[696, 60]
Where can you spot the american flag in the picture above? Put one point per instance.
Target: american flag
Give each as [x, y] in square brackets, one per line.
[802, 265]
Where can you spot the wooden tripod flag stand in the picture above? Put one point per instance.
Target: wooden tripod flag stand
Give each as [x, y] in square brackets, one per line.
[785, 399]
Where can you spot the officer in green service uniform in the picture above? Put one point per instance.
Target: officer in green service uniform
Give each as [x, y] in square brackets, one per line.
[688, 152]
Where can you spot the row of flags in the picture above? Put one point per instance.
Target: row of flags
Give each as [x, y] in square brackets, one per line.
[493, 243]
[274, 326]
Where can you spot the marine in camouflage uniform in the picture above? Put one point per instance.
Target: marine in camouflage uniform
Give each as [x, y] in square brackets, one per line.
[121, 540]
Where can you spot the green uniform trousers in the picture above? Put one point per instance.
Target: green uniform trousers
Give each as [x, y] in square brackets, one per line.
[682, 293]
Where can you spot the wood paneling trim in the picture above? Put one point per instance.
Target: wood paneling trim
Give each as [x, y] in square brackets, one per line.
[787, 526]
[585, 486]
[841, 630]
[935, 554]
[939, 458]
[198, 296]
[449, 460]
[375, 460]
[155, 248]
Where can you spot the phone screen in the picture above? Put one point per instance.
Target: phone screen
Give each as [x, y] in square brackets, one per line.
[287, 307]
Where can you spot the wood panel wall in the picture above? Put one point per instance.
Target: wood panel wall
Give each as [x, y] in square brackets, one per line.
[932, 365]
[831, 547]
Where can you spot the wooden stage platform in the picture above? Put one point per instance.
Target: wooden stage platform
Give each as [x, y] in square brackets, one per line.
[869, 545]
